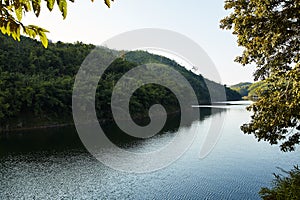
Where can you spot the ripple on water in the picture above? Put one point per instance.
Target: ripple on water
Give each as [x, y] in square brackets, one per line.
[235, 169]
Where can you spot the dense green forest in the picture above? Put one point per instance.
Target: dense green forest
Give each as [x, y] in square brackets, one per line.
[242, 88]
[36, 83]
[248, 90]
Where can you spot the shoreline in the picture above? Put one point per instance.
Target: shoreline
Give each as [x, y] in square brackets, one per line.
[14, 130]
[70, 122]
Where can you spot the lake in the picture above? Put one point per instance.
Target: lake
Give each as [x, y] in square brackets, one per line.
[53, 164]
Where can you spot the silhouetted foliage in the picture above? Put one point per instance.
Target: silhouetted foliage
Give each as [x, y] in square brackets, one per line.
[284, 187]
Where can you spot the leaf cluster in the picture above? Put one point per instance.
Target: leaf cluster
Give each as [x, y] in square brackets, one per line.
[269, 31]
[12, 12]
[276, 113]
[284, 187]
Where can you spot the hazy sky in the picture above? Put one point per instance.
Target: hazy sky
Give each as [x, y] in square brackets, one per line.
[197, 19]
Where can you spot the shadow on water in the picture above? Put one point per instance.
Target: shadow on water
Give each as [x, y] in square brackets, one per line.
[66, 138]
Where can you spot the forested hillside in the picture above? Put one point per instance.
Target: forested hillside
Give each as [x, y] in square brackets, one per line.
[249, 90]
[242, 88]
[198, 82]
[36, 83]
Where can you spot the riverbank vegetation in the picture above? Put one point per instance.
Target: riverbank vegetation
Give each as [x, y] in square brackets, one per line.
[284, 187]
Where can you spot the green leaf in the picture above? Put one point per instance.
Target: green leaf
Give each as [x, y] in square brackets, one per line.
[36, 5]
[8, 28]
[50, 4]
[3, 28]
[107, 2]
[19, 12]
[27, 6]
[18, 33]
[43, 39]
[30, 31]
[62, 5]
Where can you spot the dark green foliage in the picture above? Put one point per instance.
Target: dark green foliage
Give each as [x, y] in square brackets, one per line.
[198, 82]
[142, 98]
[276, 112]
[284, 187]
[250, 90]
[242, 88]
[35, 81]
[232, 95]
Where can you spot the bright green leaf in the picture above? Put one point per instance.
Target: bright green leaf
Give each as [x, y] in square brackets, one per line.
[62, 4]
[50, 4]
[43, 39]
[19, 12]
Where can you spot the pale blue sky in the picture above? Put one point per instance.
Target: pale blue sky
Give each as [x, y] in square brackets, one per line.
[197, 19]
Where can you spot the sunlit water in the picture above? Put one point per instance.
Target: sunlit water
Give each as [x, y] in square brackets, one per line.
[52, 164]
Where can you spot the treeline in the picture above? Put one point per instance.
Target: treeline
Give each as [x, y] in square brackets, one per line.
[197, 81]
[36, 83]
[249, 90]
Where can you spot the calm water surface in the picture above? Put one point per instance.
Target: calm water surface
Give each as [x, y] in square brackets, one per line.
[53, 164]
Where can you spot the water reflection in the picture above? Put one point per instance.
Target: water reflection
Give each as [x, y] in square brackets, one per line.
[44, 164]
[64, 138]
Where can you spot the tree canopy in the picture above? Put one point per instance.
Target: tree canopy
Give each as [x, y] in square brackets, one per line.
[12, 11]
[269, 31]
